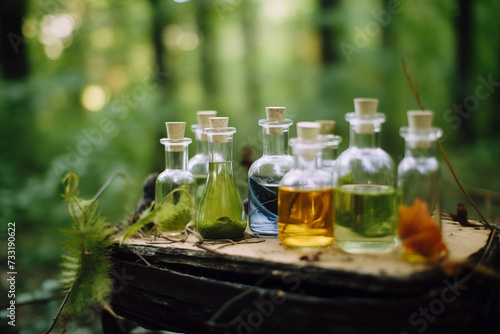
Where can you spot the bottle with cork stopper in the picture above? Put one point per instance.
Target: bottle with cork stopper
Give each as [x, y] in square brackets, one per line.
[365, 195]
[305, 195]
[198, 164]
[265, 174]
[175, 185]
[418, 172]
[220, 213]
[330, 144]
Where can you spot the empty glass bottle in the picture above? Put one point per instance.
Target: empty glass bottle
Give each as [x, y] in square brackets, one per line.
[329, 143]
[175, 185]
[418, 172]
[220, 213]
[198, 164]
[265, 173]
[365, 196]
[305, 195]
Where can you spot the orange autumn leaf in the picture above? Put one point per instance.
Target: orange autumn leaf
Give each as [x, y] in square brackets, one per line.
[418, 233]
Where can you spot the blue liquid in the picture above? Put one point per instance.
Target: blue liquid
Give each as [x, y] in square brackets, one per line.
[263, 207]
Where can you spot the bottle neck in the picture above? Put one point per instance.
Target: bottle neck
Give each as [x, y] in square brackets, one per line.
[201, 146]
[275, 144]
[177, 159]
[362, 139]
[419, 149]
[220, 152]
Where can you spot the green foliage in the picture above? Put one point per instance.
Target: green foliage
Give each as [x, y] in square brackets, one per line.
[86, 266]
[172, 214]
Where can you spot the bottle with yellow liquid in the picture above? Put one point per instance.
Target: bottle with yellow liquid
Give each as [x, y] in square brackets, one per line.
[198, 164]
[305, 195]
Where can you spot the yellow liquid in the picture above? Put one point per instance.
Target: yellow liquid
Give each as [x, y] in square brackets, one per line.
[305, 218]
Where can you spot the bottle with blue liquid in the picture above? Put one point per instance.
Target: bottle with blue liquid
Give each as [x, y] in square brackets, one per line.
[265, 174]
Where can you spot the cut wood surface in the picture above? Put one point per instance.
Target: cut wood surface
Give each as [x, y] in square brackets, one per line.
[183, 288]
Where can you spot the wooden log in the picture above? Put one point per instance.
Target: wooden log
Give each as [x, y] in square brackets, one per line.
[270, 290]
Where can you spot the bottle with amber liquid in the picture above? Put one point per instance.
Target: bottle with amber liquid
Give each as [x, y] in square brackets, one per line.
[305, 195]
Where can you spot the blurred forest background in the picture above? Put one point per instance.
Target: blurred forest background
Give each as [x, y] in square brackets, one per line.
[86, 85]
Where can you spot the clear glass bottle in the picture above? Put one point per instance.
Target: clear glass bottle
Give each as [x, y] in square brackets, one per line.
[305, 195]
[220, 213]
[365, 196]
[175, 186]
[265, 174]
[198, 164]
[329, 143]
[418, 172]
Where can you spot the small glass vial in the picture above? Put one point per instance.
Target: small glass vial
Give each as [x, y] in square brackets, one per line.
[418, 172]
[305, 195]
[329, 143]
[175, 185]
[265, 174]
[365, 196]
[220, 213]
[198, 164]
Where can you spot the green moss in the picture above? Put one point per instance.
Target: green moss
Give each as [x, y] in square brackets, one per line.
[222, 228]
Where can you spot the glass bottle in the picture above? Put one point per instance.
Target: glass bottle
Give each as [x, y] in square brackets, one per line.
[220, 214]
[365, 196]
[198, 164]
[329, 143]
[265, 173]
[418, 172]
[175, 186]
[305, 195]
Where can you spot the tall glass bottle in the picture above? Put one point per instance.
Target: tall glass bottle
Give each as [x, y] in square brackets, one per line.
[329, 143]
[265, 174]
[175, 186]
[198, 164]
[365, 197]
[220, 213]
[305, 195]
[418, 172]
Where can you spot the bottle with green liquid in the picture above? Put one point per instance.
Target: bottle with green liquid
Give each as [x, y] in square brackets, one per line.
[175, 186]
[220, 213]
[198, 164]
[365, 198]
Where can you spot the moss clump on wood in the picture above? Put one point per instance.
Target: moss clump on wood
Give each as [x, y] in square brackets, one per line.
[222, 228]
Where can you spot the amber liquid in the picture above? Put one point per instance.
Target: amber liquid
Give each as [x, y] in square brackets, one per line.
[305, 218]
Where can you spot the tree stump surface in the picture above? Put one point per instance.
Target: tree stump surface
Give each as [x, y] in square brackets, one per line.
[265, 288]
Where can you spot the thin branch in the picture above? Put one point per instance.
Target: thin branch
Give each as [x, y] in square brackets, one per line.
[445, 157]
[54, 320]
[107, 183]
[415, 92]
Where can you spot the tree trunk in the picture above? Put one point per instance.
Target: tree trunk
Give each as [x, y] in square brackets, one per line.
[13, 51]
[329, 53]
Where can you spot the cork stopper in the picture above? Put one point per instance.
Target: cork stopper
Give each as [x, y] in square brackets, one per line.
[365, 110]
[420, 122]
[217, 123]
[327, 127]
[307, 132]
[275, 114]
[203, 117]
[175, 131]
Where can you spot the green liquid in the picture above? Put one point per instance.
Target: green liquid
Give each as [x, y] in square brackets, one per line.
[220, 214]
[201, 181]
[365, 217]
